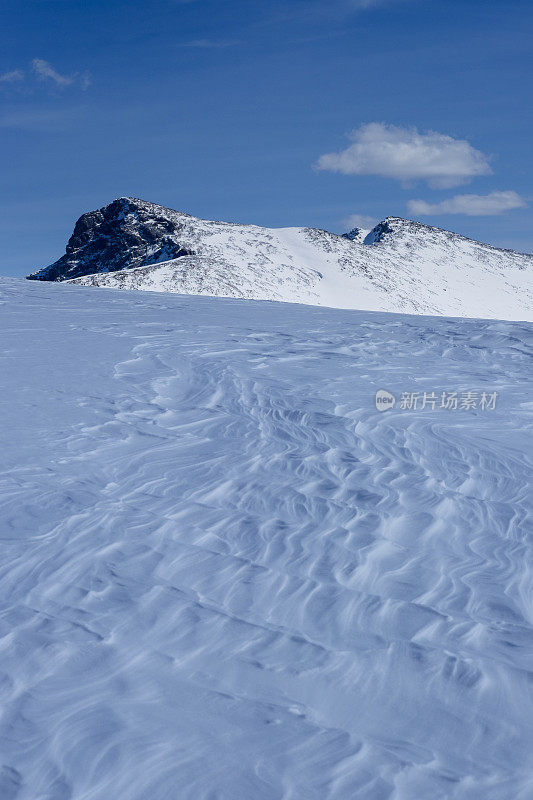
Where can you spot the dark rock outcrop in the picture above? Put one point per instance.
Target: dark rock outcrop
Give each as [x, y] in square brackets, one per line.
[353, 235]
[126, 233]
[379, 231]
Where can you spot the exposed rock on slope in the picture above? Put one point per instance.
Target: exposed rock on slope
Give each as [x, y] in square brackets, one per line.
[127, 233]
[356, 235]
[399, 266]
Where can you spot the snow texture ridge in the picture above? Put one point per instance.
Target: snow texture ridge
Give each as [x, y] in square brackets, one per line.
[399, 266]
[226, 575]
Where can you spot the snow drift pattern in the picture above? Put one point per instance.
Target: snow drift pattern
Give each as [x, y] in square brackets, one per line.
[225, 574]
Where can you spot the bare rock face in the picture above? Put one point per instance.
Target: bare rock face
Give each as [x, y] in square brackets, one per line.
[380, 231]
[356, 235]
[126, 233]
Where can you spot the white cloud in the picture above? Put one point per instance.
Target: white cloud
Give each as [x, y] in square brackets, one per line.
[45, 71]
[407, 155]
[359, 221]
[12, 77]
[471, 204]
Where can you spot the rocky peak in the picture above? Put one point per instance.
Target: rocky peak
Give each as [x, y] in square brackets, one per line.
[126, 233]
[379, 232]
[356, 235]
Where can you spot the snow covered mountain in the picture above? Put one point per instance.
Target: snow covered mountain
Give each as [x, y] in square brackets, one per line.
[226, 575]
[398, 266]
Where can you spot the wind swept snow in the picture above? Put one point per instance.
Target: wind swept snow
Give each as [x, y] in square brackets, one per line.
[226, 575]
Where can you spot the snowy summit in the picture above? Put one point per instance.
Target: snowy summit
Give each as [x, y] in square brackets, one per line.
[399, 266]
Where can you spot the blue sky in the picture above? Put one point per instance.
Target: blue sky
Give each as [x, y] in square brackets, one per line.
[276, 113]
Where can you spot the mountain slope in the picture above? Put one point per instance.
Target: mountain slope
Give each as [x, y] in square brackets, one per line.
[399, 266]
[226, 575]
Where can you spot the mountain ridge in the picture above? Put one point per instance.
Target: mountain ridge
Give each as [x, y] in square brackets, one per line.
[400, 265]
